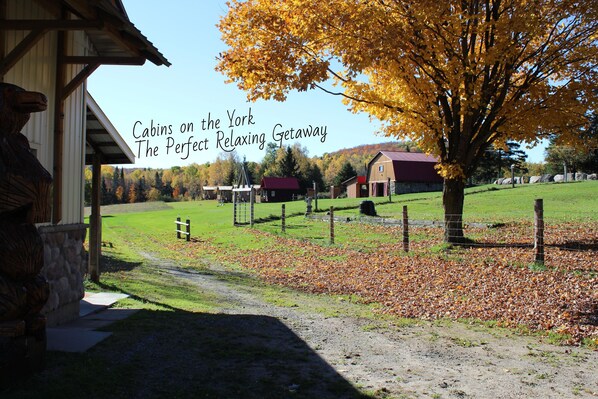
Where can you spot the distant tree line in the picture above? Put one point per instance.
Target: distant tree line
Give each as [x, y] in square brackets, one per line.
[496, 162]
[179, 183]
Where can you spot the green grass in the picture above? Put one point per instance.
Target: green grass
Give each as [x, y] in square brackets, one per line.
[491, 203]
[177, 323]
[575, 202]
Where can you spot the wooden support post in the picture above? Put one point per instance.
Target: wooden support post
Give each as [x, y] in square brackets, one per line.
[389, 192]
[539, 230]
[331, 225]
[234, 208]
[188, 229]
[405, 229]
[95, 220]
[178, 227]
[58, 127]
[251, 205]
[2, 35]
[283, 219]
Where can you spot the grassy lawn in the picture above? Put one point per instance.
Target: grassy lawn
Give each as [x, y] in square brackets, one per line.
[571, 216]
[179, 325]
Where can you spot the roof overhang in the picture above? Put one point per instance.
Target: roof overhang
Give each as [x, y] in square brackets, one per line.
[115, 39]
[103, 138]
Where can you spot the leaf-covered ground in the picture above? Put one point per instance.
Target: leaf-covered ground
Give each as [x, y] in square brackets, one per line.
[493, 280]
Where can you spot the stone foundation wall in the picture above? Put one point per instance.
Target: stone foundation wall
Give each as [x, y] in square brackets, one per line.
[406, 188]
[65, 264]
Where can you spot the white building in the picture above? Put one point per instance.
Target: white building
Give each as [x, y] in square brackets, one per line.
[52, 47]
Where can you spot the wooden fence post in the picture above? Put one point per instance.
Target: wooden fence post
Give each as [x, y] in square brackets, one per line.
[405, 229]
[251, 205]
[234, 208]
[178, 227]
[283, 219]
[539, 230]
[331, 225]
[188, 229]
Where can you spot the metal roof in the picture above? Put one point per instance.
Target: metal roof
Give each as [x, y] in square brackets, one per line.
[116, 36]
[129, 40]
[408, 167]
[101, 136]
[409, 156]
[280, 183]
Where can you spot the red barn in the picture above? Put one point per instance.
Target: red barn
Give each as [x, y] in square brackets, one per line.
[279, 189]
[407, 172]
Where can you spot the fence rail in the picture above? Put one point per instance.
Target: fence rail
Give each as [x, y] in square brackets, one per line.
[186, 232]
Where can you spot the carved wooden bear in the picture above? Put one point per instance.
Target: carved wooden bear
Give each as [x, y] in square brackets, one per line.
[24, 200]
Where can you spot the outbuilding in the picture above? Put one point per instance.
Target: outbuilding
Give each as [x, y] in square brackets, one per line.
[209, 192]
[279, 189]
[52, 47]
[392, 172]
[357, 187]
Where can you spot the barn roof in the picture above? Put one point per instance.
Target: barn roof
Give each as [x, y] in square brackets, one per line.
[280, 183]
[409, 156]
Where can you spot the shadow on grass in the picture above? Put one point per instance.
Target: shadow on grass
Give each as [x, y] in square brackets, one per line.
[178, 354]
[565, 246]
[485, 244]
[576, 245]
[111, 264]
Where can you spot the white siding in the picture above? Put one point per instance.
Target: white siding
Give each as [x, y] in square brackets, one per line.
[74, 138]
[37, 72]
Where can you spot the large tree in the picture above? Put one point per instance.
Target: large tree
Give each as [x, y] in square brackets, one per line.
[347, 171]
[287, 166]
[453, 76]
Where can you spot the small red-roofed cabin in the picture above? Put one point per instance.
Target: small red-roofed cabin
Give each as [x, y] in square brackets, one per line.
[401, 173]
[357, 187]
[278, 189]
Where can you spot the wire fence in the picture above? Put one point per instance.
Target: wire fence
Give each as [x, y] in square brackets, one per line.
[566, 244]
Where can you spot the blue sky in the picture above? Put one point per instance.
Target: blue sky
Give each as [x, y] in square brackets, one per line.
[191, 91]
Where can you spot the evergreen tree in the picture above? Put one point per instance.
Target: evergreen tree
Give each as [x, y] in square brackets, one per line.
[229, 180]
[115, 178]
[314, 174]
[140, 190]
[106, 195]
[158, 181]
[87, 193]
[495, 163]
[287, 167]
[347, 171]
[167, 191]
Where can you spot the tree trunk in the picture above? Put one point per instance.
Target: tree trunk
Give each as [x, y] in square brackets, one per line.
[452, 198]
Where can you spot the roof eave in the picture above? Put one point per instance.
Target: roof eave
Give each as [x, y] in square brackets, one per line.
[110, 130]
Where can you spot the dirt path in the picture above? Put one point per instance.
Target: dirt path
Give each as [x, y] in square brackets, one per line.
[436, 360]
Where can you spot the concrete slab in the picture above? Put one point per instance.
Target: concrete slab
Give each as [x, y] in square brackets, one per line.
[93, 303]
[73, 340]
[79, 335]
